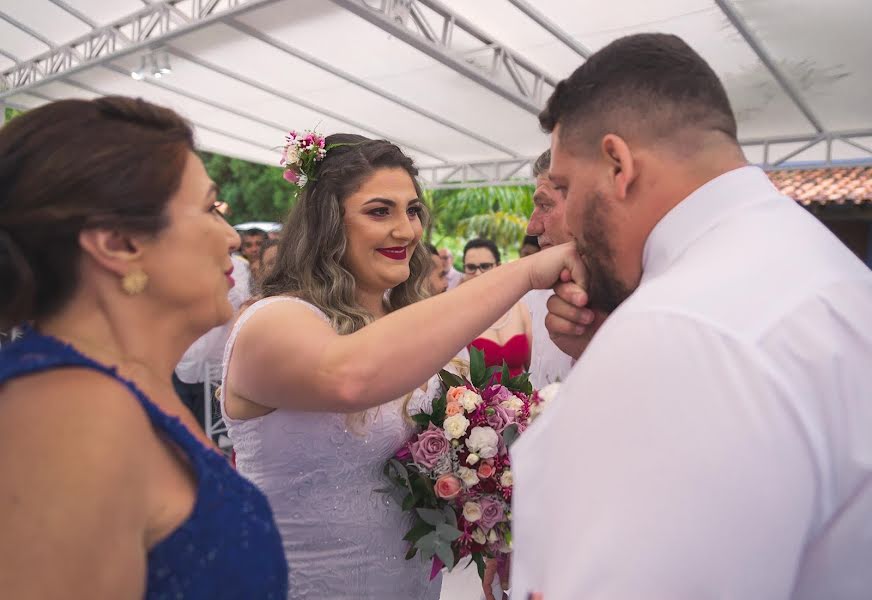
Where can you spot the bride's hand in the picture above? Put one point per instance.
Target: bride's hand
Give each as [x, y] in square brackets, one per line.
[559, 263]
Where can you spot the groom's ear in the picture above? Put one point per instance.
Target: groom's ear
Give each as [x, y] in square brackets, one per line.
[622, 168]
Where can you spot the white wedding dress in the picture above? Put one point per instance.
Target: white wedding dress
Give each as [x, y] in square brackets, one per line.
[342, 538]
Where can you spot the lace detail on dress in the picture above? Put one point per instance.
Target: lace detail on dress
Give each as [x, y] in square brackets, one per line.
[342, 537]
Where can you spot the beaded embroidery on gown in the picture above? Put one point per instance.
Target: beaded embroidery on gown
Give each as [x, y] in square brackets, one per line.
[342, 538]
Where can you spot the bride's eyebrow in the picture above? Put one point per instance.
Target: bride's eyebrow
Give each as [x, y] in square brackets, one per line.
[382, 200]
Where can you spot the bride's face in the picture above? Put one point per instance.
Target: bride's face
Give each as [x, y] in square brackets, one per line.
[383, 226]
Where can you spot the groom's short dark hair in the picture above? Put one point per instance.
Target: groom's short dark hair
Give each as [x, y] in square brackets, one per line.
[647, 85]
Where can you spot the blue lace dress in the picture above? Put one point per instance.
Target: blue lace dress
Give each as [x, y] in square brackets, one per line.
[229, 547]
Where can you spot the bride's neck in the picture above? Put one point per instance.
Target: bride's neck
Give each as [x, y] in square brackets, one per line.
[373, 302]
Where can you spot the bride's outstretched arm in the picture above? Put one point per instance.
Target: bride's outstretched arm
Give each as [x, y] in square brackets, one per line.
[285, 356]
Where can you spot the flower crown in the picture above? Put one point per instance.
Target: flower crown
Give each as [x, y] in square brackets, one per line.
[301, 153]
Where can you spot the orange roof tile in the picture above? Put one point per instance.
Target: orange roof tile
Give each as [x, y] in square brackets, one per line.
[835, 185]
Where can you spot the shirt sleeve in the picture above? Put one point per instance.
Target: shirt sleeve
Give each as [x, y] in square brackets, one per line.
[670, 466]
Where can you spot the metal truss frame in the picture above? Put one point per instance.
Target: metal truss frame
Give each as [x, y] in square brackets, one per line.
[151, 26]
[430, 26]
[519, 171]
[426, 25]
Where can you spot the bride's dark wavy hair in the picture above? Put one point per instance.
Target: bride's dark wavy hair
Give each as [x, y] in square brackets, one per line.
[310, 263]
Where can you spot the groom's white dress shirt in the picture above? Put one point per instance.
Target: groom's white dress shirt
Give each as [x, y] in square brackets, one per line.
[715, 439]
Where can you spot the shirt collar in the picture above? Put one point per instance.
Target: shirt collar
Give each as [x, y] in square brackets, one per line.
[699, 212]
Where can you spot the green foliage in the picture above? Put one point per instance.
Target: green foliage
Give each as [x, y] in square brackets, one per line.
[11, 113]
[497, 213]
[254, 192]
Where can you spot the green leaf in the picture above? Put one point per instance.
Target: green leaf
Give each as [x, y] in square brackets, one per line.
[445, 553]
[447, 532]
[419, 530]
[521, 383]
[408, 502]
[505, 375]
[427, 544]
[477, 369]
[450, 516]
[510, 435]
[422, 487]
[411, 553]
[449, 379]
[438, 415]
[397, 472]
[421, 419]
[431, 516]
[479, 563]
[490, 374]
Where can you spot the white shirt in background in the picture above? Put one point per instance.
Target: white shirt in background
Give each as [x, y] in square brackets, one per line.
[548, 363]
[209, 348]
[715, 439]
[455, 278]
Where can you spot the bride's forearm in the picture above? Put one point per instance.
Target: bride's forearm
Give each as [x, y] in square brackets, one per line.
[402, 350]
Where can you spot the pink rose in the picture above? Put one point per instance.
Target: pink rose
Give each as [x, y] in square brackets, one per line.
[448, 487]
[453, 408]
[491, 512]
[291, 176]
[430, 446]
[496, 394]
[499, 417]
[486, 470]
[454, 394]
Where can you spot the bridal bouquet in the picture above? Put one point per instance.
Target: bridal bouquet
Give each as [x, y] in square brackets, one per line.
[454, 476]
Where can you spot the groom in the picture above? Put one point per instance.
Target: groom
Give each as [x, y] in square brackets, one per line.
[715, 439]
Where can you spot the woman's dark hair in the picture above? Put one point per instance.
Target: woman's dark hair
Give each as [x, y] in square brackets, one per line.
[432, 249]
[482, 243]
[72, 165]
[316, 222]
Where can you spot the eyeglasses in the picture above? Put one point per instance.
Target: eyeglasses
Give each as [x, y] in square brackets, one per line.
[471, 268]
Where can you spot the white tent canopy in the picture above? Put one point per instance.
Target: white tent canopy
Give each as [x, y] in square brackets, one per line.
[456, 83]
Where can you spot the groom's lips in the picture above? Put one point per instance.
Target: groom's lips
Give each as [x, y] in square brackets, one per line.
[398, 253]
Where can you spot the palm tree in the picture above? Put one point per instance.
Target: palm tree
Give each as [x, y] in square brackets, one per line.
[496, 213]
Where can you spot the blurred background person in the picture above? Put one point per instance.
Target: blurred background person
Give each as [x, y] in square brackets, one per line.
[437, 280]
[510, 338]
[455, 277]
[529, 246]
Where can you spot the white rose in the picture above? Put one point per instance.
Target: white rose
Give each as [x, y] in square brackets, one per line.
[455, 426]
[478, 536]
[549, 392]
[472, 512]
[468, 476]
[469, 400]
[472, 459]
[506, 479]
[513, 403]
[492, 536]
[293, 155]
[484, 441]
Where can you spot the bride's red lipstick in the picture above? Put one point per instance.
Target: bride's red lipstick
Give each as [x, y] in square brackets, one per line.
[398, 253]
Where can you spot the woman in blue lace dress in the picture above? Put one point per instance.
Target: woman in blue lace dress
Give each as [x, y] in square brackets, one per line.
[112, 253]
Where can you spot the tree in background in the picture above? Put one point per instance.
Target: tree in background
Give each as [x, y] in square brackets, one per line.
[254, 192]
[11, 112]
[497, 213]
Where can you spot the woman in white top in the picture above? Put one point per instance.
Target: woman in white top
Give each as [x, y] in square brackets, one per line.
[318, 374]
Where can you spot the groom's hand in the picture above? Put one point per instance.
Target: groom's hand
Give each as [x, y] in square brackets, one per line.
[570, 324]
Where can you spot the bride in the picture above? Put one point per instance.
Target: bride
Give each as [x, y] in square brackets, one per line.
[317, 374]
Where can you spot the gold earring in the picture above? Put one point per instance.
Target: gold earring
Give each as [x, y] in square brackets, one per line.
[134, 283]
